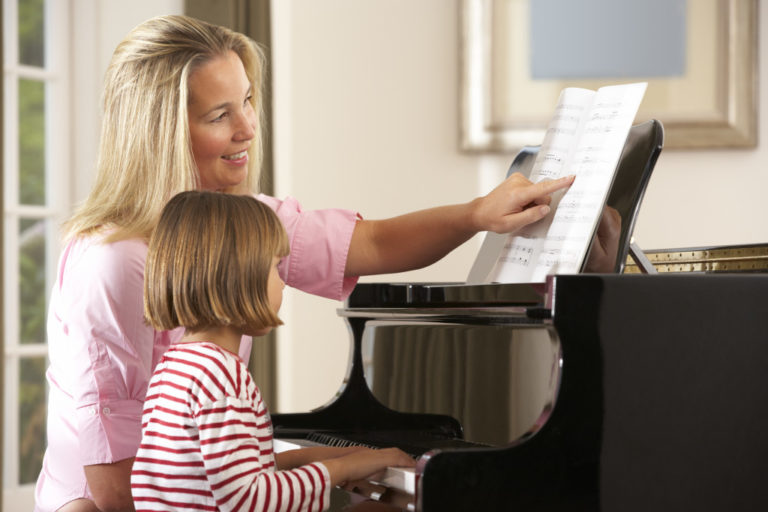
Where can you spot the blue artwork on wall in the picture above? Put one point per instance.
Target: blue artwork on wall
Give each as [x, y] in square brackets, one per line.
[594, 39]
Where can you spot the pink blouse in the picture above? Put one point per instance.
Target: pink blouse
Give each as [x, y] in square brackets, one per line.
[102, 353]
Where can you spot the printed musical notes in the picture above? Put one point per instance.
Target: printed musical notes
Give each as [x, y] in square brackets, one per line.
[585, 137]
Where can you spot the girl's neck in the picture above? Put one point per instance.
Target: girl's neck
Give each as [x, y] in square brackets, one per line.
[226, 337]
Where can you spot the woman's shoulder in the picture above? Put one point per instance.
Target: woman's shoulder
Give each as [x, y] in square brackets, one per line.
[93, 248]
[91, 257]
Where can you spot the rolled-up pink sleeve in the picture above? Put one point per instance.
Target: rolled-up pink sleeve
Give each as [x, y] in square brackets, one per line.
[102, 348]
[320, 242]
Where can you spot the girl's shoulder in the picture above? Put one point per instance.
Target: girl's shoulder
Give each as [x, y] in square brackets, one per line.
[221, 372]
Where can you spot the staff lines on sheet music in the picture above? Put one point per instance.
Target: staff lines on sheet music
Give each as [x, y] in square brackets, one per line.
[585, 138]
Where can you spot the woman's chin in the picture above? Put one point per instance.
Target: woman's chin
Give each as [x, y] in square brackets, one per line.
[233, 186]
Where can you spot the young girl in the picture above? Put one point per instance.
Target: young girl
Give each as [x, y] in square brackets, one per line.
[206, 434]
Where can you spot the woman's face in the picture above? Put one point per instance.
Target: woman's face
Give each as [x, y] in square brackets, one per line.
[222, 122]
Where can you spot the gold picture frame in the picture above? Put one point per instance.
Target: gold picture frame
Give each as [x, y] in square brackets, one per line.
[713, 106]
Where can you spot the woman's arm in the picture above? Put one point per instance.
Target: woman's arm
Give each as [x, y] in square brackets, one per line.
[100, 352]
[421, 238]
[110, 485]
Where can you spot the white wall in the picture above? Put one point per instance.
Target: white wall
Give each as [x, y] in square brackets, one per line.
[97, 28]
[367, 118]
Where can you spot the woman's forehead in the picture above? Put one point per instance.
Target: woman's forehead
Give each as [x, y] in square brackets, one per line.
[218, 81]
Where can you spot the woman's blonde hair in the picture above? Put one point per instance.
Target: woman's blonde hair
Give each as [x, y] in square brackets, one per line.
[209, 261]
[145, 155]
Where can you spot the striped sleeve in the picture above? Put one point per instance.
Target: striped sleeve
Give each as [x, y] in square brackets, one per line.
[207, 442]
[239, 461]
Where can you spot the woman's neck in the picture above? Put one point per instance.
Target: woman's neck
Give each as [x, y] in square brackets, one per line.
[225, 337]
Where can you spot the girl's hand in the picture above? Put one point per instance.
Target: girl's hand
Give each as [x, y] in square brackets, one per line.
[364, 464]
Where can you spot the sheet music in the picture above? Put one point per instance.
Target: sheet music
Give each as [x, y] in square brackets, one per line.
[585, 137]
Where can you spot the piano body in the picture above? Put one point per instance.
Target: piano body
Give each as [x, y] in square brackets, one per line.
[615, 392]
[651, 391]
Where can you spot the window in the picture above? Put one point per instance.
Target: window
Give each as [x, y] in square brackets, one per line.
[36, 178]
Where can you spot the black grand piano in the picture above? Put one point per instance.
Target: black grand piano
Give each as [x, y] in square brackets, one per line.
[614, 392]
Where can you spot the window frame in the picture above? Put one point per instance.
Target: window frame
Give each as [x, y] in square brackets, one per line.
[56, 76]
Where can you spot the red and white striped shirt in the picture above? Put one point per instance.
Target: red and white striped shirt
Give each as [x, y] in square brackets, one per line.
[207, 441]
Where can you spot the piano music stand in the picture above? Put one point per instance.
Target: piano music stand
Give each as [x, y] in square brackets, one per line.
[638, 158]
[643, 263]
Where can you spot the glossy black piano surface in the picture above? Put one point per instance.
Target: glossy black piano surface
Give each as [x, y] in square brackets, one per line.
[606, 392]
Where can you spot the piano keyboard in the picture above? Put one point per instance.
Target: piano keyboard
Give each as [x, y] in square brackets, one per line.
[331, 440]
[414, 443]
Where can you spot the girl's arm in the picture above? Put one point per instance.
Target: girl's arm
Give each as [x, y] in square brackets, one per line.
[290, 459]
[364, 463]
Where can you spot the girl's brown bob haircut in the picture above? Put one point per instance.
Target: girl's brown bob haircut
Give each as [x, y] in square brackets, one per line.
[208, 263]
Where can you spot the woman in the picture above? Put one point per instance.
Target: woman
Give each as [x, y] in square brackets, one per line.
[182, 111]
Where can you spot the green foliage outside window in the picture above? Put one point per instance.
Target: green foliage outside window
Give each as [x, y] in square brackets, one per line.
[32, 247]
[32, 418]
[31, 33]
[31, 142]
[32, 294]
[33, 289]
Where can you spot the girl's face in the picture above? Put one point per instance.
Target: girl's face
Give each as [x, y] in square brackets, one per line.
[275, 287]
[222, 122]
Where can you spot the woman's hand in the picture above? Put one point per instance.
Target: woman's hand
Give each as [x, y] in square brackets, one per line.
[515, 203]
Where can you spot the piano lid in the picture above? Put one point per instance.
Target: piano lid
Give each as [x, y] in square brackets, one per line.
[446, 295]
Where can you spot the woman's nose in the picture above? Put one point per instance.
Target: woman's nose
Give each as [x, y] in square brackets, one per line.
[245, 128]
